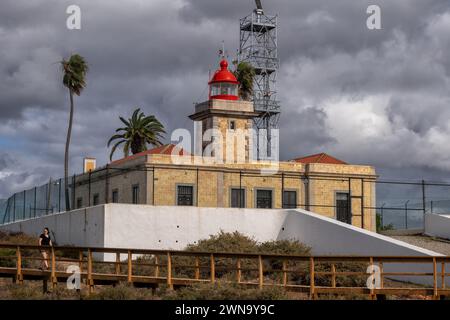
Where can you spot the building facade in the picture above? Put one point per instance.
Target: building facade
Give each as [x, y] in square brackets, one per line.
[224, 173]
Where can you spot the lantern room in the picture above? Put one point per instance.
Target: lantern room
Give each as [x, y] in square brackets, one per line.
[223, 84]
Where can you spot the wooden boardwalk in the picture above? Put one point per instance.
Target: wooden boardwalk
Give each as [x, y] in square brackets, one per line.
[314, 275]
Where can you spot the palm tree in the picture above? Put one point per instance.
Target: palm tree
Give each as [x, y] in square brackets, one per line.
[139, 131]
[74, 78]
[245, 74]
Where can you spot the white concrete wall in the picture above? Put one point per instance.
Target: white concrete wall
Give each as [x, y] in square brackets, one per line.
[175, 227]
[83, 227]
[437, 225]
[159, 227]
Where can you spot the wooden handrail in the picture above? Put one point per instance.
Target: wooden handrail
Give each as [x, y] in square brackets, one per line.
[336, 258]
[256, 271]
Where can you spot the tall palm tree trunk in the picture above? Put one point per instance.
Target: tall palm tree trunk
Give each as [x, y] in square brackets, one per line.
[66, 155]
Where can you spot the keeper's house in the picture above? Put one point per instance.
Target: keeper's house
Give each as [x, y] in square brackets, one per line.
[171, 176]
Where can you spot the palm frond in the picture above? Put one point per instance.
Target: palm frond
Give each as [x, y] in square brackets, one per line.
[114, 148]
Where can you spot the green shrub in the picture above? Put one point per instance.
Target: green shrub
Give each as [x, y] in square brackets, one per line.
[225, 291]
[183, 266]
[24, 292]
[226, 242]
[7, 258]
[380, 227]
[120, 292]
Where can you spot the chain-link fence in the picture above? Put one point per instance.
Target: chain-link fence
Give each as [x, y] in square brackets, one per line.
[399, 204]
[38, 201]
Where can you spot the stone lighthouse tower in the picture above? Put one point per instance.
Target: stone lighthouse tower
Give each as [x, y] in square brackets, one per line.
[224, 123]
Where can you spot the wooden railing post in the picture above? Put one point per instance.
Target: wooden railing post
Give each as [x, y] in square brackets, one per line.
[443, 274]
[169, 270]
[239, 272]
[53, 275]
[333, 275]
[333, 262]
[197, 269]
[80, 260]
[213, 269]
[435, 289]
[90, 281]
[19, 275]
[117, 264]
[372, 288]
[130, 267]
[261, 272]
[157, 266]
[312, 276]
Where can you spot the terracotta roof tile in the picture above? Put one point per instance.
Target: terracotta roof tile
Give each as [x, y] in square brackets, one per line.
[166, 149]
[319, 158]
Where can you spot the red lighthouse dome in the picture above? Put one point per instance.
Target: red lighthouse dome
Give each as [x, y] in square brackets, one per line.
[223, 84]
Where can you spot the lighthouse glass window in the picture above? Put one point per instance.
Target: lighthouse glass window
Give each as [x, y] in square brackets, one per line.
[223, 89]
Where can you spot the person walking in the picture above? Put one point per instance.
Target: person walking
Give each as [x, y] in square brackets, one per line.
[45, 241]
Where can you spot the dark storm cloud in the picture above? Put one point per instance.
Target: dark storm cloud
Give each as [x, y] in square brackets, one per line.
[5, 160]
[337, 78]
[309, 126]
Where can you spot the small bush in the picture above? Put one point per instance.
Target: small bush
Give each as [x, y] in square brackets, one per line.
[226, 242]
[24, 292]
[120, 292]
[222, 291]
[381, 227]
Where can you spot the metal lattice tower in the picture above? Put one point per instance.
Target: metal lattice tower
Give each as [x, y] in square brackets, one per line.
[259, 47]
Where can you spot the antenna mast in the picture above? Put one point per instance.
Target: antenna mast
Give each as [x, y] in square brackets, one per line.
[259, 48]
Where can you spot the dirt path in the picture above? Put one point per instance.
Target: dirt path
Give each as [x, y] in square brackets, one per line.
[437, 245]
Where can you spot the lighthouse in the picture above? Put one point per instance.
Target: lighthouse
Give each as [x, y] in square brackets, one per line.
[224, 85]
[223, 124]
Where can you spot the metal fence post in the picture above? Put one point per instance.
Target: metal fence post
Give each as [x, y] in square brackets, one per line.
[282, 190]
[24, 202]
[406, 215]
[362, 203]
[35, 199]
[197, 190]
[107, 184]
[73, 192]
[423, 201]
[89, 190]
[14, 207]
[59, 195]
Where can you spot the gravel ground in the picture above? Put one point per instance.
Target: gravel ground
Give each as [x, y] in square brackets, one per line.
[437, 245]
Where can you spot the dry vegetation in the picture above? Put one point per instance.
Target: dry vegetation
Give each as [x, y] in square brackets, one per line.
[222, 290]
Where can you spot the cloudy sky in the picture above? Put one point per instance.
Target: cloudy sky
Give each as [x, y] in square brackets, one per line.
[378, 97]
